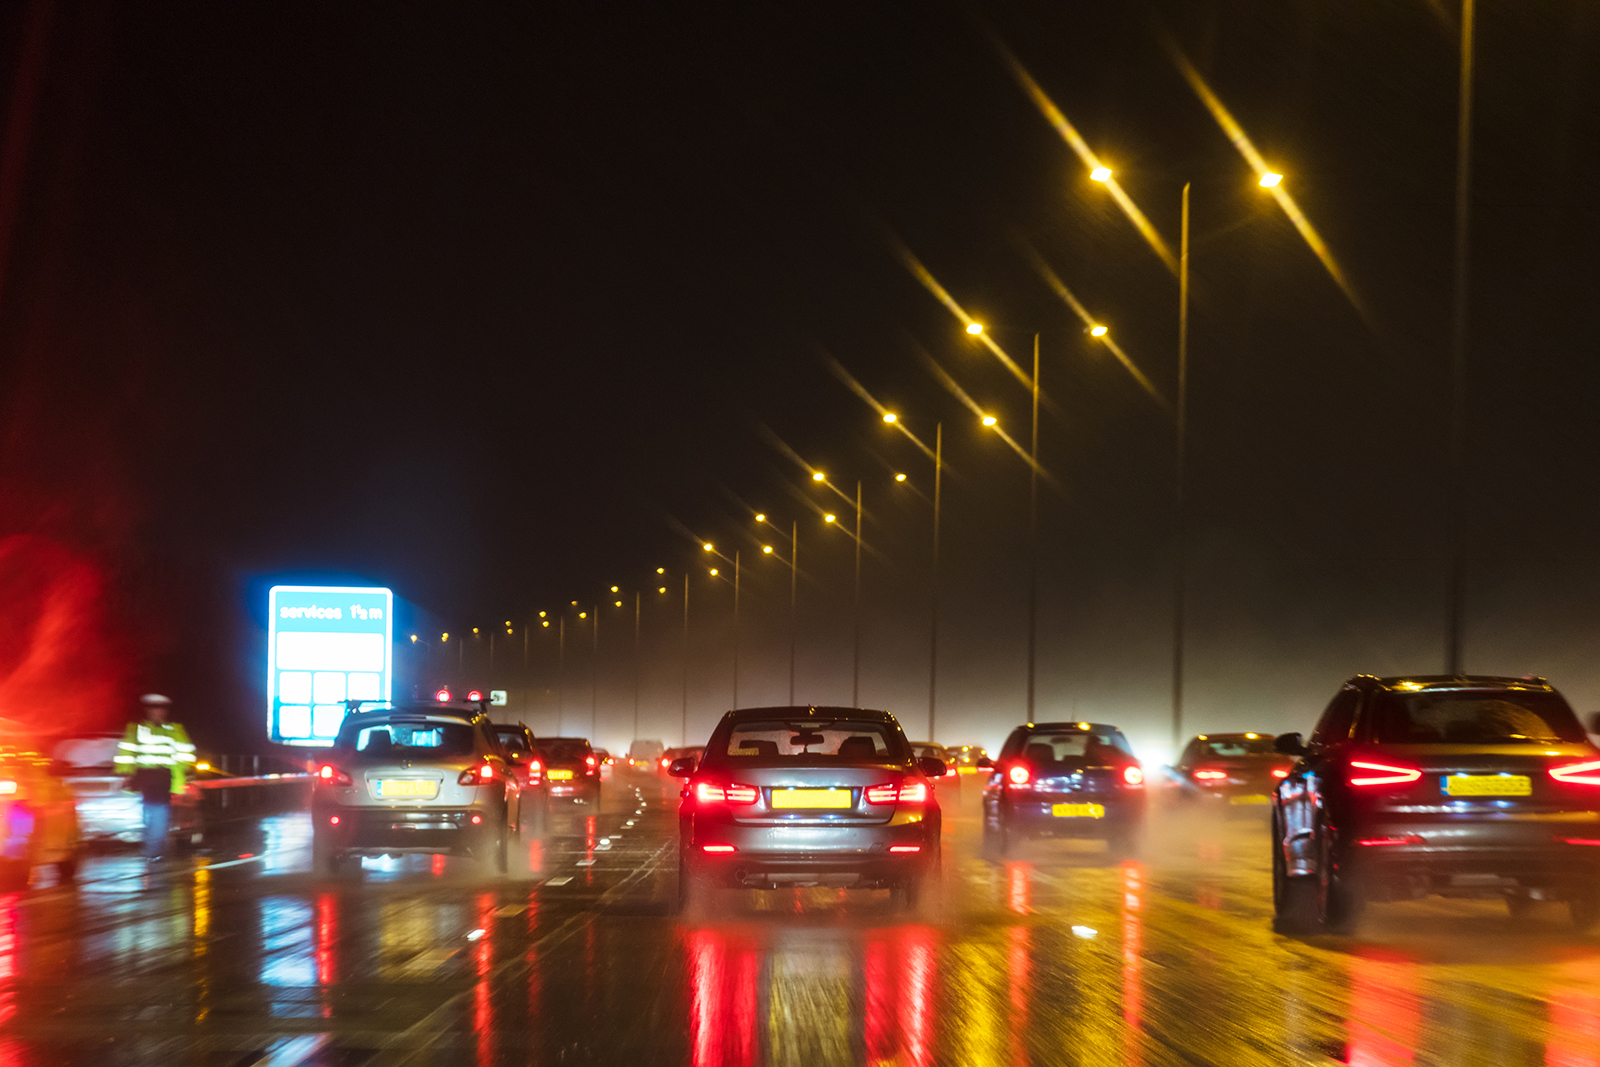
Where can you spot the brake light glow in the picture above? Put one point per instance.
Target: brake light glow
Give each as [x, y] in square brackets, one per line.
[1383, 774]
[706, 793]
[905, 848]
[327, 774]
[1581, 840]
[718, 848]
[742, 794]
[476, 819]
[1279, 772]
[1210, 776]
[665, 763]
[1408, 839]
[8, 786]
[905, 793]
[1132, 775]
[589, 760]
[1018, 775]
[1578, 773]
[442, 696]
[535, 769]
[333, 820]
[477, 775]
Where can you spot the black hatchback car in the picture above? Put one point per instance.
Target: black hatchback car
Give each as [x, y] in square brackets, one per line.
[1064, 779]
[1456, 786]
[806, 796]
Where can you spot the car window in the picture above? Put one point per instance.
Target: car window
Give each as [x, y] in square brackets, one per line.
[410, 740]
[804, 740]
[565, 749]
[1054, 747]
[513, 739]
[1235, 747]
[1474, 717]
[1334, 726]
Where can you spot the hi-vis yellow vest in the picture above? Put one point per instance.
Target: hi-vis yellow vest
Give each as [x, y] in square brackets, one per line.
[155, 744]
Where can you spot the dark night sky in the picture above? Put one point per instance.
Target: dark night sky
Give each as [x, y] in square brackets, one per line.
[483, 303]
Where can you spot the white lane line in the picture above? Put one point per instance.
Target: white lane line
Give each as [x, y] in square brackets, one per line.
[234, 863]
[558, 881]
[293, 1051]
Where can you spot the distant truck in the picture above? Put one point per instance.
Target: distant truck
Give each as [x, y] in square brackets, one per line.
[643, 754]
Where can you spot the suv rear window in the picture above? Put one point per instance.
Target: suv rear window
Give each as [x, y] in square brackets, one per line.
[841, 740]
[407, 739]
[565, 749]
[512, 738]
[1473, 717]
[1236, 747]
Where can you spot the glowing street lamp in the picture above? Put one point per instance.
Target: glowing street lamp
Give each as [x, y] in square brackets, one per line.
[989, 420]
[1097, 331]
[890, 417]
[818, 476]
[974, 328]
[899, 477]
[830, 517]
[1100, 174]
[1270, 180]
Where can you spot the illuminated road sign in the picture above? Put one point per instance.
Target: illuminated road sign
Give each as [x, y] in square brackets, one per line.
[325, 645]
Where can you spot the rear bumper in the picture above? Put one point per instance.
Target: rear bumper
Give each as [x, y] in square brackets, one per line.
[852, 855]
[383, 830]
[1037, 818]
[1465, 858]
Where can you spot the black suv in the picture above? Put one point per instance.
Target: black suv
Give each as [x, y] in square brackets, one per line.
[1457, 786]
[1064, 779]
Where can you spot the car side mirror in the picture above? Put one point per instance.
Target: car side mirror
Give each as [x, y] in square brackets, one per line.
[931, 766]
[1289, 745]
[682, 767]
[985, 762]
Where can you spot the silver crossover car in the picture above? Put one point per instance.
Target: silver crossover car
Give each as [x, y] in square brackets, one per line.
[415, 778]
[803, 796]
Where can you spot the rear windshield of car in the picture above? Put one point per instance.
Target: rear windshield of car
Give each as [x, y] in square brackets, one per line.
[828, 742]
[931, 751]
[1234, 747]
[1473, 717]
[1055, 746]
[410, 740]
[568, 750]
[513, 740]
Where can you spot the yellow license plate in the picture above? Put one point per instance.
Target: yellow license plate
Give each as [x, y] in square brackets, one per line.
[560, 776]
[1078, 811]
[1486, 785]
[811, 798]
[1250, 798]
[386, 788]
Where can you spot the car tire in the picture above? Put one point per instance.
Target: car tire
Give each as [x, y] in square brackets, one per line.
[692, 889]
[325, 858]
[1584, 907]
[1338, 899]
[1294, 900]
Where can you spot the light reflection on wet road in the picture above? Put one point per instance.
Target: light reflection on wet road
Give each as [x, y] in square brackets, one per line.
[240, 956]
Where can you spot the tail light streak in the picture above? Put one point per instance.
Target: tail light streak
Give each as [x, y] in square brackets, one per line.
[1382, 774]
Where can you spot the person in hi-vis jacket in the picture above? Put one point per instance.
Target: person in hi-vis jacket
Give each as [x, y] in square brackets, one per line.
[154, 754]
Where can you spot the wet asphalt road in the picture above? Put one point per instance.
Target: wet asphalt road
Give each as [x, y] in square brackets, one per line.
[239, 956]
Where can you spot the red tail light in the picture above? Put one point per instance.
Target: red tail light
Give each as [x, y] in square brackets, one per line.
[665, 763]
[327, 774]
[905, 848]
[1578, 773]
[889, 793]
[1279, 772]
[1408, 839]
[333, 820]
[1205, 774]
[589, 760]
[707, 793]
[742, 794]
[1133, 775]
[1581, 840]
[1019, 775]
[718, 848]
[477, 775]
[535, 770]
[1382, 774]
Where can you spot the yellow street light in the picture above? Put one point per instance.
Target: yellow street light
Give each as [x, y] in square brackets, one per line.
[583, 614]
[1270, 180]
[974, 327]
[614, 589]
[413, 639]
[545, 624]
[661, 570]
[619, 603]
[474, 629]
[444, 637]
[760, 517]
[767, 549]
[830, 517]
[541, 614]
[1100, 174]
[818, 476]
[707, 546]
[989, 420]
[508, 622]
[713, 572]
[1097, 331]
[899, 477]
[574, 603]
[663, 589]
[890, 417]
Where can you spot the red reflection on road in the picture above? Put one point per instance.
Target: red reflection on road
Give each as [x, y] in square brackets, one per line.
[1019, 970]
[438, 864]
[1385, 1010]
[8, 957]
[1574, 1015]
[898, 971]
[722, 1004]
[327, 935]
[1132, 938]
[1018, 887]
[483, 958]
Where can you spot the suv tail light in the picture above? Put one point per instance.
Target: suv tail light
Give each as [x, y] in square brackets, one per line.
[904, 793]
[327, 774]
[1364, 773]
[477, 775]
[1206, 774]
[1019, 775]
[1133, 775]
[707, 793]
[1587, 773]
[535, 770]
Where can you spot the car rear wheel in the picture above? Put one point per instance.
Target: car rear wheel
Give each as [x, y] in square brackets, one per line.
[1294, 900]
[493, 855]
[692, 889]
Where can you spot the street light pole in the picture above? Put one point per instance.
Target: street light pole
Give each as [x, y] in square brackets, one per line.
[1180, 548]
[736, 628]
[794, 565]
[636, 664]
[561, 670]
[684, 737]
[1033, 535]
[594, 674]
[933, 627]
[1458, 349]
[855, 665]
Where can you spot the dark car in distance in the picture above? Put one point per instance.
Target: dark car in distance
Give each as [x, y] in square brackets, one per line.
[808, 796]
[1237, 771]
[1471, 786]
[1064, 779]
[571, 769]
